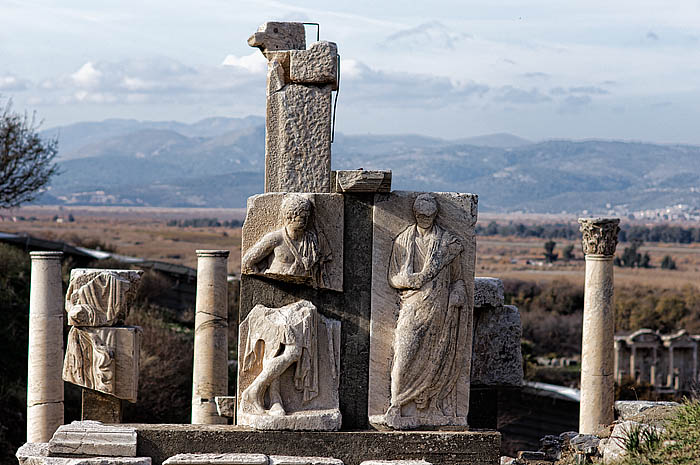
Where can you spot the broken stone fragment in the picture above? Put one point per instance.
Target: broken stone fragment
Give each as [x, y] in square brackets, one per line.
[272, 36]
[290, 460]
[362, 181]
[217, 459]
[488, 291]
[226, 406]
[37, 454]
[317, 65]
[93, 438]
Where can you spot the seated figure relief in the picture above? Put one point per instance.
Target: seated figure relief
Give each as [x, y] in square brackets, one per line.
[425, 269]
[296, 252]
[278, 338]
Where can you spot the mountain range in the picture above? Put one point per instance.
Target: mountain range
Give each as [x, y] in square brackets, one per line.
[219, 162]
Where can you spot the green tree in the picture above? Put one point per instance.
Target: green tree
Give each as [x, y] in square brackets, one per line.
[668, 263]
[549, 255]
[568, 252]
[26, 161]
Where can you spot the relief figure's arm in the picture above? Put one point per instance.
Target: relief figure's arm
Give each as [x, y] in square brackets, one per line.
[259, 251]
[401, 274]
[458, 289]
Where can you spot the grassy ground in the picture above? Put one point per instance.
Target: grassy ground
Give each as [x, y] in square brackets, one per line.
[680, 445]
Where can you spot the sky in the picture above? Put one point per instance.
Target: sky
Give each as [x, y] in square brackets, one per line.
[539, 69]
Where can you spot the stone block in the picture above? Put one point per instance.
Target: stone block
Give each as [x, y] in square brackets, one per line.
[362, 181]
[298, 139]
[218, 459]
[421, 319]
[276, 35]
[292, 460]
[614, 448]
[101, 407]
[395, 462]
[645, 411]
[226, 406]
[93, 438]
[488, 291]
[38, 454]
[305, 395]
[352, 447]
[314, 257]
[317, 65]
[98, 297]
[105, 359]
[496, 355]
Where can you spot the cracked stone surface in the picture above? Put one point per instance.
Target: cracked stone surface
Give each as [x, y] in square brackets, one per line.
[93, 438]
[38, 454]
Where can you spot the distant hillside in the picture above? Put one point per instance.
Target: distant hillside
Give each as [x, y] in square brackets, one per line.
[219, 162]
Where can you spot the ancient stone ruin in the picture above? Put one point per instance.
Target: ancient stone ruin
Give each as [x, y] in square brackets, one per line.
[363, 332]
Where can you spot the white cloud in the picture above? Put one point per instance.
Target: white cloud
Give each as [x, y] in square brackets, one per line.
[10, 83]
[254, 63]
[87, 76]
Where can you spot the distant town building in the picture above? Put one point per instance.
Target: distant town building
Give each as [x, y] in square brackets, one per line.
[667, 362]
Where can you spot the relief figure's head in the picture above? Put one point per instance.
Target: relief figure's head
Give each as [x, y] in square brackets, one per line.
[296, 211]
[425, 209]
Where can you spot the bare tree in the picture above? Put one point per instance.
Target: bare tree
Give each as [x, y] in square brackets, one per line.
[26, 161]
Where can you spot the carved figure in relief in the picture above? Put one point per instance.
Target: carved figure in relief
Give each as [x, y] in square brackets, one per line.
[278, 338]
[425, 268]
[89, 360]
[296, 250]
[99, 302]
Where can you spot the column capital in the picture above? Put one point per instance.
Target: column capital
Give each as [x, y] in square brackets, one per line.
[599, 235]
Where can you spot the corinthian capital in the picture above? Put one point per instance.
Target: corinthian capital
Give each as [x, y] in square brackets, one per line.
[599, 235]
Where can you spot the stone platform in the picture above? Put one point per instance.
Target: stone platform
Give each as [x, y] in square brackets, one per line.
[352, 447]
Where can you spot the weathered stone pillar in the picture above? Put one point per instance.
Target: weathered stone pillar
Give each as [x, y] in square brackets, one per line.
[597, 359]
[44, 383]
[210, 371]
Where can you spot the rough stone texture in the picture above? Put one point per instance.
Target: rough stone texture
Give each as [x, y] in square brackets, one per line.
[496, 356]
[226, 406]
[97, 297]
[585, 443]
[273, 35]
[615, 447]
[362, 181]
[290, 460]
[218, 459]
[351, 306]
[488, 291]
[93, 438]
[44, 383]
[298, 130]
[105, 359]
[37, 454]
[298, 139]
[597, 354]
[317, 65]
[644, 411]
[353, 448]
[393, 225]
[210, 367]
[267, 239]
[101, 407]
[304, 400]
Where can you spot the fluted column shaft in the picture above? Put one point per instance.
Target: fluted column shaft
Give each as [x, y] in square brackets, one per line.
[598, 352]
[210, 370]
[45, 358]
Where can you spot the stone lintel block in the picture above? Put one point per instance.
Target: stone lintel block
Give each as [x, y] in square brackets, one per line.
[93, 438]
[497, 358]
[317, 65]
[37, 454]
[226, 406]
[293, 460]
[488, 291]
[218, 459]
[363, 181]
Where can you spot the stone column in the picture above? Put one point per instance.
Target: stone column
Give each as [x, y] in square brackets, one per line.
[210, 371]
[44, 383]
[597, 364]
